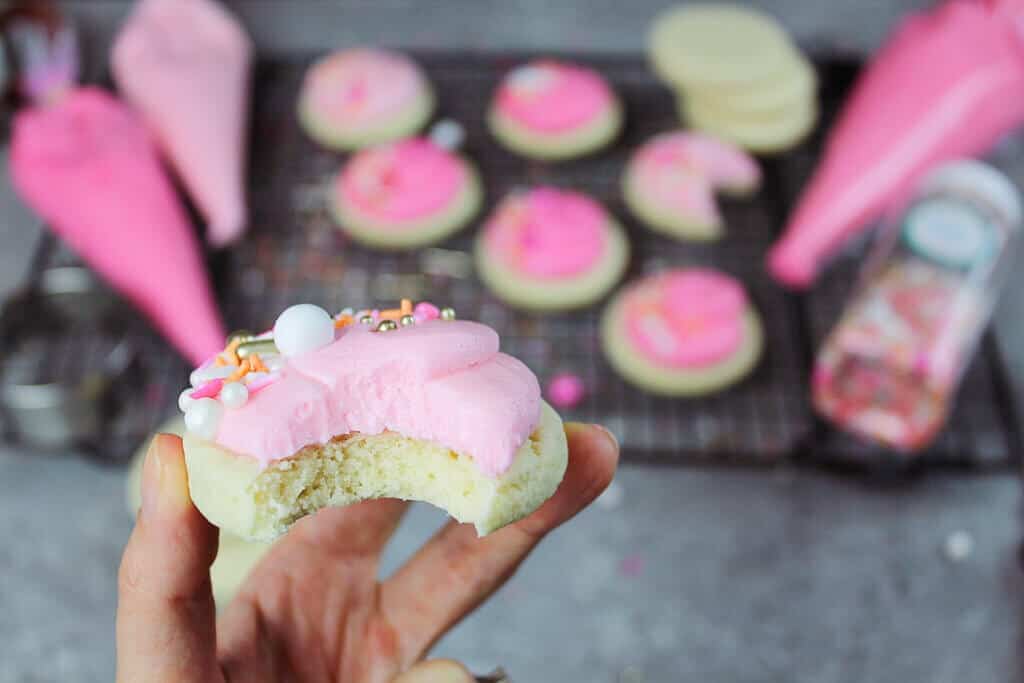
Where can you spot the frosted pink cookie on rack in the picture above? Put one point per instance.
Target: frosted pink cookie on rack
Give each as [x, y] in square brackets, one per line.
[552, 110]
[363, 96]
[671, 180]
[403, 403]
[683, 332]
[548, 249]
[405, 194]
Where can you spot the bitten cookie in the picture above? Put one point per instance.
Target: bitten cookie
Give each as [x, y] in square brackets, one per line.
[548, 249]
[362, 97]
[403, 403]
[552, 110]
[405, 194]
[235, 557]
[670, 181]
[683, 332]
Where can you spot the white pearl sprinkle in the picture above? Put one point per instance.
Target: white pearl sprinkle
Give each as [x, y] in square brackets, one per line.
[303, 328]
[958, 546]
[203, 418]
[204, 375]
[185, 400]
[448, 134]
[234, 395]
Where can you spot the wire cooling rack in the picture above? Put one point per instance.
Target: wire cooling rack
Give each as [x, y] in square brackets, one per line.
[294, 254]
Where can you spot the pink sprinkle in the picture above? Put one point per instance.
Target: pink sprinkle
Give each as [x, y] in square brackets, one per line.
[566, 390]
[208, 390]
[425, 311]
[262, 382]
[632, 566]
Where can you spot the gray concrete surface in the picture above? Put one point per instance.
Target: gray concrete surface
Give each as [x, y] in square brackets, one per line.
[678, 575]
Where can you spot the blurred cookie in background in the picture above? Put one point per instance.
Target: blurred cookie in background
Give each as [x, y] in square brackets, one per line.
[737, 74]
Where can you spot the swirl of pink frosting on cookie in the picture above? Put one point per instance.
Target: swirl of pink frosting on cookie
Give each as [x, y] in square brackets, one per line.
[553, 97]
[548, 233]
[686, 318]
[402, 181]
[361, 85]
[440, 381]
[682, 170]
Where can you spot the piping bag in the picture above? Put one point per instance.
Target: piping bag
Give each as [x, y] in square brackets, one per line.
[85, 162]
[948, 83]
[184, 64]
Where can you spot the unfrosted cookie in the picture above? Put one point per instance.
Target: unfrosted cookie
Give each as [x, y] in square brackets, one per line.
[552, 110]
[362, 97]
[401, 403]
[405, 194]
[683, 332]
[796, 84]
[670, 181]
[235, 557]
[763, 134]
[736, 73]
[548, 249]
[718, 44]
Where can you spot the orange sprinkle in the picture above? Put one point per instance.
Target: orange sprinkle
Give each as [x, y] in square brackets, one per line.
[343, 321]
[256, 363]
[391, 314]
[243, 369]
[219, 361]
[406, 307]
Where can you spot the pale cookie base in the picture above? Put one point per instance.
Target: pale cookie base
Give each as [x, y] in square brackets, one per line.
[776, 133]
[669, 221]
[717, 44]
[235, 557]
[372, 232]
[235, 494]
[523, 291]
[558, 146]
[784, 91]
[659, 379]
[403, 124]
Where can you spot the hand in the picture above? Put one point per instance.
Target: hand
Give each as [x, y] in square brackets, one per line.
[313, 609]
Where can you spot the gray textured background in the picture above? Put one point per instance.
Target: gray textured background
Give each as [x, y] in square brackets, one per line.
[677, 575]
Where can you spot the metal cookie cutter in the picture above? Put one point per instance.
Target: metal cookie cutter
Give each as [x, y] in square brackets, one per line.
[53, 386]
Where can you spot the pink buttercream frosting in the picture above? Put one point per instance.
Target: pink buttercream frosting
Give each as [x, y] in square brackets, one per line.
[184, 64]
[87, 165]
[553, 97]
[440, 381]
[548, 233]
[947, 84]
[681, 170]
[402, 181]
[362, 85]
[686, 318]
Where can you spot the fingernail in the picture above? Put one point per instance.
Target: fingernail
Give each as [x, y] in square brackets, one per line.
[164, 486]
[611, 437]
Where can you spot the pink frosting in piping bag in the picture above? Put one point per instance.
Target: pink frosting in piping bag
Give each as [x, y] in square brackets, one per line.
[441, 381]
[948, 83]
[87, 165]
[548, 233]
[184, 64]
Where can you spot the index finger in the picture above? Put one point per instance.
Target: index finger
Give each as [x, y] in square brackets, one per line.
[455, 571]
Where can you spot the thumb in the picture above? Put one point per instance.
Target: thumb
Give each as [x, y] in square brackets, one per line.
[165, 612]
[436, 671]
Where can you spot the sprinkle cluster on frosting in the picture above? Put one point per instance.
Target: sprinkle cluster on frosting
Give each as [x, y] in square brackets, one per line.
[251, 362]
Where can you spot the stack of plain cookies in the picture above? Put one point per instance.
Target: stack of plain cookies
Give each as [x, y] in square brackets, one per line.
[737, 75]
